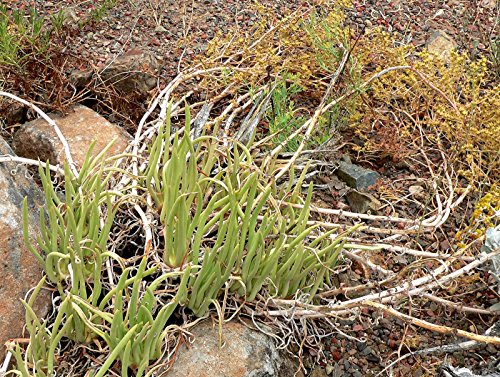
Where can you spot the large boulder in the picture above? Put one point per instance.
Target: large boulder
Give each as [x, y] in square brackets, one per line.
[80, 126]
[19, 269]
[245, 353]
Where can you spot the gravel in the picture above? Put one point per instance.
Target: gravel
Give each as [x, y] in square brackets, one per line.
[181, 29]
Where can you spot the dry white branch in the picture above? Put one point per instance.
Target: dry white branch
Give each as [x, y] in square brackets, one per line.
[28, 161]
[358, 216]
[462, 346]
[421, 253]
[391, 295]
[367, 263]
[458, 306]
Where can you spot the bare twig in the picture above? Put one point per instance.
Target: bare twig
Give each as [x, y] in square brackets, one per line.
[28, 161]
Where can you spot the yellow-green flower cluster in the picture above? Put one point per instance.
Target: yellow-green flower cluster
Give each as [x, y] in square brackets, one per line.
[486, 215]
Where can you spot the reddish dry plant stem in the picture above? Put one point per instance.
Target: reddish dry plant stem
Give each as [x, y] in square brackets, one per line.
[433, 327]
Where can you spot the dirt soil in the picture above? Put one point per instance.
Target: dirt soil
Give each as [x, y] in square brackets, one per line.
[175, 31]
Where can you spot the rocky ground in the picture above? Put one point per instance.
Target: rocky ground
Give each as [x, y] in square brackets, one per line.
[176, 31]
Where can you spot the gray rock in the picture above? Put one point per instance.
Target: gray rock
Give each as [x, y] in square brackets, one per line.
[490, 4]
[360, 346]
[362, 202]
[318, 372]
[366, 351]
[447, 370]
[19, 269]
[492, 240]
[11, 112]
[245, 353]
[81, 126]
[131, 73]
[355, 176]
[80, 78]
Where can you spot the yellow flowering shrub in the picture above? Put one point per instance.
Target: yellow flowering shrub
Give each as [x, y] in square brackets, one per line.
[453, 102]
[302, 44]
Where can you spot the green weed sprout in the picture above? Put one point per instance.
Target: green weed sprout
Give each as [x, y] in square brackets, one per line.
[20, 35]
[281, 116]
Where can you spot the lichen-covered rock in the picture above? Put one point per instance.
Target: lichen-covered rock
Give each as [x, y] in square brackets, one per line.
[362, 202]
[19, 269]
[448, 370]
[80, 126]
[441, 44]
[245, 353]
[132, 72]
[491, 244]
